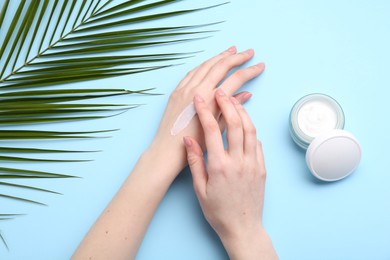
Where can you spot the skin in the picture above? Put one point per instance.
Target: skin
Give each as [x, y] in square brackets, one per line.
[230, 188]
[118, 232]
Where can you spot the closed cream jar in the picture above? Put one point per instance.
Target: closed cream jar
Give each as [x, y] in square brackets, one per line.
[316, 124]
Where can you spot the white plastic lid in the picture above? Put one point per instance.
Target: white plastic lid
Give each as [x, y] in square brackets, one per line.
[333, 155]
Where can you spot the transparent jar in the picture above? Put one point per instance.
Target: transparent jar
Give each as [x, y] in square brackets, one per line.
[313, 115]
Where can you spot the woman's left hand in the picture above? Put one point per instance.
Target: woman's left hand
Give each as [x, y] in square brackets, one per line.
[202, 80]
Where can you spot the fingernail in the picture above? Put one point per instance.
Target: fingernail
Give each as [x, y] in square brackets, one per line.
[250, 51]
[220, 93]
[198, 98]
[234, 100]
[232, 49]
[247, 96]
[260, 65]
[187, 141]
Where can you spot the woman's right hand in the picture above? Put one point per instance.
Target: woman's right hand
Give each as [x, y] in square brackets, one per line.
[230, 188]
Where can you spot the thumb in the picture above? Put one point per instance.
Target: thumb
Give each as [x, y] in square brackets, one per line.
[197, 165]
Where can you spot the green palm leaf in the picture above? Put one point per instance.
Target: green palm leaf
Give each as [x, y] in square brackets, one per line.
[47, 43]
[36, 150]
[88, 35]
[8, 216]
[21, 199]
[6, 173]
[25, 159]
[36, 134]
[27, 187]
[5, 216]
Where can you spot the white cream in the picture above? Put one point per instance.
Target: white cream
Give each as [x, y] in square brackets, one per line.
[183, 119]
[316, 117]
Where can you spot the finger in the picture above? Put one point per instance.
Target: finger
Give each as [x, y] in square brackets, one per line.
[238, 78]
[195, 76]
[242, 97]
[220, 69]
[212, 134]
[187, 78]
[197, 165]
[234, 130]
[249, 129]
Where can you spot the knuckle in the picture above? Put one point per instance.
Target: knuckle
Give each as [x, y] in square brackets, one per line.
[225, 62]
[191, 72]
[222, 100]
[234, 123]
[240, 74]
[263, 174]
[204, 64]
[212, 127]
[251, 130]
[174, 95]
[208, 63]
[192, 159]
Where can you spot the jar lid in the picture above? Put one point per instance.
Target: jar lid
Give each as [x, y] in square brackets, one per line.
[333, 155]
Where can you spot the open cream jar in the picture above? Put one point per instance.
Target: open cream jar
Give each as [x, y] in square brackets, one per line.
[316, 123]
[312, 115]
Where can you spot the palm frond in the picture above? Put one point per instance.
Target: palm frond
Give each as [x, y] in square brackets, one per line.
[25, 159]
[40, 106]
[21, 199]
[7, 173]
[47, 43]
[27, 187]
[37, 134]
[36, 150]
[75, 37]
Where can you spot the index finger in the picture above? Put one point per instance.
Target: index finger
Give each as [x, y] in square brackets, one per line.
[195, 76]
[212, 133]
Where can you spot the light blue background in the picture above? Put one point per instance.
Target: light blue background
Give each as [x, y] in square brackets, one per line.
[340, 48]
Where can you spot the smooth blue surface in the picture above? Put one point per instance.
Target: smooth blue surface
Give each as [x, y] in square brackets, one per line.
[340, 48]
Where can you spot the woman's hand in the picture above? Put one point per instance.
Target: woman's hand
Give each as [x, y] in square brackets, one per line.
[202, 80]
[118, 232]
[230, 188]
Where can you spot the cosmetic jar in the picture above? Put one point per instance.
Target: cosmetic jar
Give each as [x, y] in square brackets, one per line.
[312, 115]
[316, 125]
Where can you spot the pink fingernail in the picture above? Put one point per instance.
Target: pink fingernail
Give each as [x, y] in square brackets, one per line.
[198, 98]
[260, 65]
[247, 96]
[220, 93]
[234, 100]
[250, 51]
[187, 141]
[232, 49]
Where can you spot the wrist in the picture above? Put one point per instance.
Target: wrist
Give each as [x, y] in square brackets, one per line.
[251, 243]
[169, 156]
